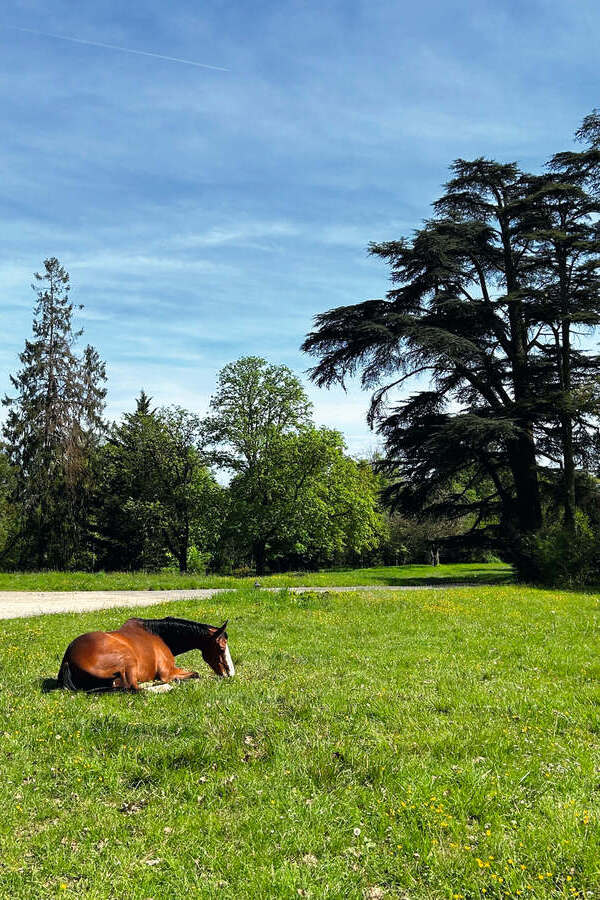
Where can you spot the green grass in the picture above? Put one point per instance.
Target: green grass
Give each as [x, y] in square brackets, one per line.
[432, 744]
[485, 573]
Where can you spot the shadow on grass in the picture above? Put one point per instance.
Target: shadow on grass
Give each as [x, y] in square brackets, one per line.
[490, 575]
[48, 684]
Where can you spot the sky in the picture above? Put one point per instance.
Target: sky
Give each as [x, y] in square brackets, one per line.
[210, 213]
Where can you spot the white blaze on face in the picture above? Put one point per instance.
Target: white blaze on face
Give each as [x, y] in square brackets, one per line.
[229, 662]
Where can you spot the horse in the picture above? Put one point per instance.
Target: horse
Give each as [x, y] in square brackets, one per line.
[142, 650]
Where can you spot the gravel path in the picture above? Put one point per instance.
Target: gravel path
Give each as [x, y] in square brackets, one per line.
[14, 604]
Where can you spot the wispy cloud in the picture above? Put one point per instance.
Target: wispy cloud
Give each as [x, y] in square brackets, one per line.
[74, 40]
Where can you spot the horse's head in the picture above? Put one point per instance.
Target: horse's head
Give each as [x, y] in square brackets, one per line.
[216, 652]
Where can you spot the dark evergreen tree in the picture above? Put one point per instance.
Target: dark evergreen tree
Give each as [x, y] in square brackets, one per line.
[156, 497]
[53, 423]
[143, 404]
[485, 299]
[565, 305]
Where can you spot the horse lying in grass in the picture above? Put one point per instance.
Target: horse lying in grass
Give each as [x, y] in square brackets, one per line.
[141, 650]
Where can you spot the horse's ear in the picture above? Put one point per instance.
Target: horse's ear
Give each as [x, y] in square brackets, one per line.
[220, 630]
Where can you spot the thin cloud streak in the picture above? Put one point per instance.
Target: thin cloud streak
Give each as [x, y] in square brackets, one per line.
[72, 40]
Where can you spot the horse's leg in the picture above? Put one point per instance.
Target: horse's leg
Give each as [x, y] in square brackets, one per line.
[127, 680]
[183, 675]
[168, 671]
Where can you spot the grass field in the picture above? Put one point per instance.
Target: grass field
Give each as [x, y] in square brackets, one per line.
[433, 744]
[481, 573]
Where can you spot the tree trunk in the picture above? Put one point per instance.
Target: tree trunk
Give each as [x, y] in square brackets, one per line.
[569, 474]
[522, 454]
[184, 547]
[183, 558]
[259, 553]
[524, 470]
[567, 430]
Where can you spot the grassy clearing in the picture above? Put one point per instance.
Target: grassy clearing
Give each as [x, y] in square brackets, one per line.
[480, 573]
[434, 744]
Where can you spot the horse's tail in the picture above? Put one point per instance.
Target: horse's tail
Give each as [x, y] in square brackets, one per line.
[73, 679]
[65, 676]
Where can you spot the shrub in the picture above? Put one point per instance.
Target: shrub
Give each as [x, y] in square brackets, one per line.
[197, 561]
[565, 559]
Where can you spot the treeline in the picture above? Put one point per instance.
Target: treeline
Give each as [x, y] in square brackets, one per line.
[491, 318]
[490, 321]
[77, 493]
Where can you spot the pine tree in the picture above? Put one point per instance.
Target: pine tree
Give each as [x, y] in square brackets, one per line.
[53, 423]
[143, 404]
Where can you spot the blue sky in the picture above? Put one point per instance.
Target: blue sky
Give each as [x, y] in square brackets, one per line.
[204, 215]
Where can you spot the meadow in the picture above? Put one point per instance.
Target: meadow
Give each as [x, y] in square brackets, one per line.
[429, 744]
[480, 573]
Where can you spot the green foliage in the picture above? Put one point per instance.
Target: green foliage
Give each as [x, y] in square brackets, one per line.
[9, 525]
[424, 748]
[197, 562]
[565, 558]
[254, 404]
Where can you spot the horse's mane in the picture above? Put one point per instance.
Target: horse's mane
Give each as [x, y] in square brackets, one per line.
[179, 635]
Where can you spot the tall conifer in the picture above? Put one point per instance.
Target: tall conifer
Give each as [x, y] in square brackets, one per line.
[54, 420]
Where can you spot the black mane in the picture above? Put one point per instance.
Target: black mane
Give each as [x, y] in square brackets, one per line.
[179, 635]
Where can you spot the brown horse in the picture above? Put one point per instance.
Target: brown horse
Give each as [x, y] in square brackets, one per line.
[141, 650]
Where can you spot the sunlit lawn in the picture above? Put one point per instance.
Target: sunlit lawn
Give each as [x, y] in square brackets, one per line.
[383, 575]
[429, 744]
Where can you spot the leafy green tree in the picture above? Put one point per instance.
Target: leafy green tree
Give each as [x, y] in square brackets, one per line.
[54, 423]
[484, 302]
[191, 499]
[293, 493]
[311, 504]
[157, 496]
[254, 404]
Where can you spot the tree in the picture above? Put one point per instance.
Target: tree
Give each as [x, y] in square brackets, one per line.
[53, 424]
[311, 504]
[157, 496]
[254, 406]
[477, 303]
[565, 246]
[293, 493]
[190, 498]
[8, 510]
